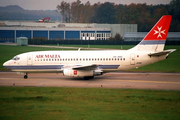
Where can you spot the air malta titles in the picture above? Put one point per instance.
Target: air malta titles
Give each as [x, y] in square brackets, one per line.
[48, 56]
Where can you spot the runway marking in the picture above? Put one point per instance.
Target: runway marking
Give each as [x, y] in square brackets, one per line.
[140, 81]
[144, 81]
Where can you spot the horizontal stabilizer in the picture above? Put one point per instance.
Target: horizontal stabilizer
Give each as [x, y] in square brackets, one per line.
[162, 53]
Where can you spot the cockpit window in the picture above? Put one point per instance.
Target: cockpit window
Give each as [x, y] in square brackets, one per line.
[16, 58]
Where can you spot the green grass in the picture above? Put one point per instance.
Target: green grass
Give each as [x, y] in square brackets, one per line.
[88, 103]
[172, 64]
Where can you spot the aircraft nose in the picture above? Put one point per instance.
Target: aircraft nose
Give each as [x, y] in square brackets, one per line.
[6, 63]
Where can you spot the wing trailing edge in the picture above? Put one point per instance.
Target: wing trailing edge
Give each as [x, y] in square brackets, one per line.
[85, 67]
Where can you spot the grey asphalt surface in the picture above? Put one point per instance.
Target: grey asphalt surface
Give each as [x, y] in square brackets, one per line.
[155, 81]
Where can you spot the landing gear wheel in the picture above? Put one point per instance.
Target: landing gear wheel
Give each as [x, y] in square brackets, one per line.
[87, 78]
[91, 77]
[25, 76]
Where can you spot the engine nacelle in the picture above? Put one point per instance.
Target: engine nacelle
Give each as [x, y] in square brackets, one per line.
[77, 73]
[81, 73]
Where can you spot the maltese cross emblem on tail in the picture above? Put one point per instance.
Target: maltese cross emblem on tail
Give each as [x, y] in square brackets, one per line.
[160, 29]
[159, 32]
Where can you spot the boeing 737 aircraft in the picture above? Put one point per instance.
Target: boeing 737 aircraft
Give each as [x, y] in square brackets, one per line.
[88, 64]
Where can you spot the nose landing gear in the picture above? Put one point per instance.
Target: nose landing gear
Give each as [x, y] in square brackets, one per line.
[25, 76]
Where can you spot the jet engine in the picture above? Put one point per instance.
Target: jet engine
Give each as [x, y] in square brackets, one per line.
[81, 73]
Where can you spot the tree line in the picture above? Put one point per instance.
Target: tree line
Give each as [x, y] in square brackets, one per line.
[142, 14]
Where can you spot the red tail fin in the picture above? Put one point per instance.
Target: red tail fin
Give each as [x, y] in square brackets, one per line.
[160, 30]
[156, 38]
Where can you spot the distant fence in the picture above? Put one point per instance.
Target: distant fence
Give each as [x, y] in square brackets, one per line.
[81, 42]
[90, 42]
[173, 42]
[87, 42]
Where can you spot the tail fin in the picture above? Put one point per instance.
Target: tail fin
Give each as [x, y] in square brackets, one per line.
[155, 40]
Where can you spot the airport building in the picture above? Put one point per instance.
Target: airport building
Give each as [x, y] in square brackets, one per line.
[138, 36]
[11, 30]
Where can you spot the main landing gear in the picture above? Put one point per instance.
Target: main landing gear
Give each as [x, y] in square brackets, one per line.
[25, 76]
[88, 77]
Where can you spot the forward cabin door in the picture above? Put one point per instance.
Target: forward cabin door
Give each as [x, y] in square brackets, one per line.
[132, 59]
[29, 60]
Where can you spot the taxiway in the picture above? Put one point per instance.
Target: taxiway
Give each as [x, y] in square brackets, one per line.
[156, 81]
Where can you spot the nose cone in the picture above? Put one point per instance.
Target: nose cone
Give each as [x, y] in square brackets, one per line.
[6, 64]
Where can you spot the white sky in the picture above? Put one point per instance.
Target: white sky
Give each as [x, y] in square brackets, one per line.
[51, 4]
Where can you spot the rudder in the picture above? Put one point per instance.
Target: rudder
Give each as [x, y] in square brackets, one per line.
[156, 38]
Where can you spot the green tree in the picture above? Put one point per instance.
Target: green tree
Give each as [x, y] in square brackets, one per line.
[121, 15]
[175, 9]
[105, 13]
[118, 37]
[64, 9]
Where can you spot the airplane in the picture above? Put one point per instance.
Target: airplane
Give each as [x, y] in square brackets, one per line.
[88, 64]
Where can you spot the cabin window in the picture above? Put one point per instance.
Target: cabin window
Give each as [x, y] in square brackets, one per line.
[123, 58]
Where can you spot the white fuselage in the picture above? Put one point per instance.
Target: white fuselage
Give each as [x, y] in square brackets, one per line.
[54, 61]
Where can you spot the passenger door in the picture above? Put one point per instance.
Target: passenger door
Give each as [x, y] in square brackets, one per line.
[132, 59]
[29, 59]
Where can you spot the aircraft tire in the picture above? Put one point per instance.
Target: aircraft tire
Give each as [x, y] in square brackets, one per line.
[25, 76]
[87, 78]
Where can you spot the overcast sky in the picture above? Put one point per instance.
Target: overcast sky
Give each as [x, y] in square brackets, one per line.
[51, 4]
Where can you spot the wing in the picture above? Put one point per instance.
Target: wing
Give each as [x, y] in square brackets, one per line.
[82, 67]
[85, 67]
[162, 53]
